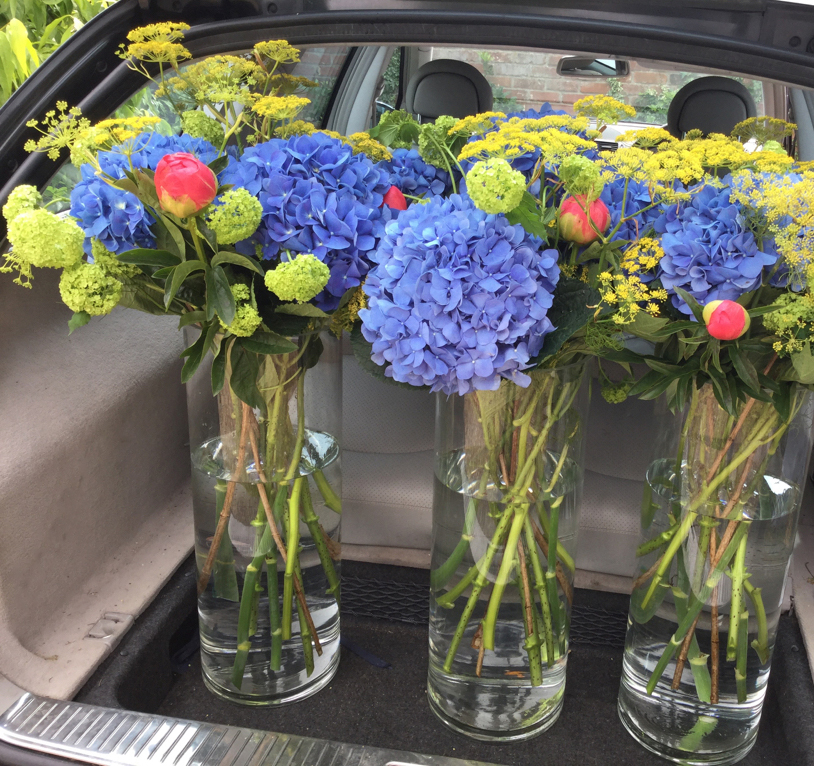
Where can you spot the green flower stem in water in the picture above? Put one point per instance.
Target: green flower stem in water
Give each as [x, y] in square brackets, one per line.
[503, 575]
[669, 554]
[741, 657]
[293, 543]
[326, 490]
[223, 573]
[562, 554]
[658, 541]
[696, 604]
[761, 643]
[479, 582]
[305, 630]
[551, 572]
[296, 454]
[317, 532]
[532, 642]
[275, 618]
[737, 575]
[540, 587]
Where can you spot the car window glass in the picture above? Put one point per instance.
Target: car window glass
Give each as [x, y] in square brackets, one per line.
[523, 80]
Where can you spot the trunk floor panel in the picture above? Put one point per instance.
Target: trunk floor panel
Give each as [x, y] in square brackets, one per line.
[388, 708]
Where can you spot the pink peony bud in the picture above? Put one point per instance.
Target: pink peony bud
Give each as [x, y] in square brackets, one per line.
[726, 320]
[574, 224]
[184, 184]
[394, 199]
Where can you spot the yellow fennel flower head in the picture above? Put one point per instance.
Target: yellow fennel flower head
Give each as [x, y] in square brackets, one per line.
[277, 50]
[280, 107]
[792, 322]
[198, 125]
[155, 52]
[166, 31]
[286, 84]
[644, 138]
[21, 199]
[42, 239]
[345, 317]
[627, 295]
[60, 128]
[581, 177]
[362, 143]
[298, 280]
[88, 287]
[235, 216]
[295, 128]
[604, 109]
[642, 256]
[763, 130]
[494, 186]
[219, 79]
[476, 124]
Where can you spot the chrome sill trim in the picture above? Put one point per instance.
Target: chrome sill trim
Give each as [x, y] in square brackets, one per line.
[107, 737]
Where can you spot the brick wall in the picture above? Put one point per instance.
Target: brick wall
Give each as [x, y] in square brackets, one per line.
[531, 78]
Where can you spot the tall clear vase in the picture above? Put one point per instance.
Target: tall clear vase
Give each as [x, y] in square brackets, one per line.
[266, 482]
[719, 518]
[508, 481]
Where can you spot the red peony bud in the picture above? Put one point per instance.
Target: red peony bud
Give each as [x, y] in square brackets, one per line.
[726, 320]
[394, 199]
[184, 184]
[574, 224]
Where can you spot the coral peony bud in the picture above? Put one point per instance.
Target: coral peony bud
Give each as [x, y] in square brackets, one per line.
[184, 184]
[394, 199]
[574, 224]
[726, 320]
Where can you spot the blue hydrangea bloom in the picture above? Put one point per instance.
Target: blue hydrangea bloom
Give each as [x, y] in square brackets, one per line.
[708, 250]
[317, 197]
[116, 217]
[412, 176]
[458, 298]
[638, 198]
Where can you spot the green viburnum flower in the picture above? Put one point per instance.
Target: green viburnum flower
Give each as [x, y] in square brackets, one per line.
[615, 393]
[581, 177]
[198, 125]
[236, 217]
[42, 239]
[22, 198]
[298, 280]
[87, 287]
[494, 186]
[432, 136]
[110, 264]
[246, 320]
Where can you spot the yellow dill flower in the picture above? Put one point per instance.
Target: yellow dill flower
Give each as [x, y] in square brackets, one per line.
[476, 124]
[332, 134]
[345, 317]
[277, 50]
[642, 255]
[168, 31]
[604, 109]
[280, 107]
[155, 52]
[295, 128]
[628, 296]
[59, 130]
[762, 129]
[220, 79]
[286, 84]
[645, 138]
[362, 143]
[792, 322]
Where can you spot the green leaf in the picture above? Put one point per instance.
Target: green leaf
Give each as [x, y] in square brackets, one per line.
[782, 400]
[79, 319]
[219, 366]
[224, 256]
[191, 317]
[243, 381]
[268, 343]
[760, 310]
[127, 184]
[301, 310]
[197, 351]
[219, 164]
[362, 350]
[175, 239]
[179, 275]
[695, 307]
[744, 368]
[646, 326]
[143, 256]
[664, 367]
[163, 272]
[219, 298]
[645, 383]
[570, 311]
[803, 362]
[673, 327]
[527, 214]
[312, 353]
[723, 395]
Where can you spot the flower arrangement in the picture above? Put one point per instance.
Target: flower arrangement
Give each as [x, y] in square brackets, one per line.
[257, 230]
[552, 251]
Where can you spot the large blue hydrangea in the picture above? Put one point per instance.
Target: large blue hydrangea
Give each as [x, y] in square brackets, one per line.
[458, 298]
[317, 197]
[412, 176]
[116, 217]
[708, 249]
[637, 198]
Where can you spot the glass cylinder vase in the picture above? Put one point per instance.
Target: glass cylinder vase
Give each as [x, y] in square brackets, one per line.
[508, 481]
[719, 518]
[266, 489]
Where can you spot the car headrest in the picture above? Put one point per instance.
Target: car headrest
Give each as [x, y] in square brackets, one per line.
[710, 104]
[448, 87]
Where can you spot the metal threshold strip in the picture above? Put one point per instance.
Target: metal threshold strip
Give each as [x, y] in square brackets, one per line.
[108, 737]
